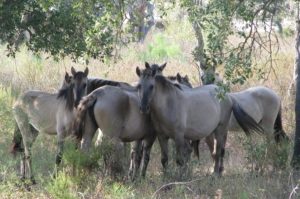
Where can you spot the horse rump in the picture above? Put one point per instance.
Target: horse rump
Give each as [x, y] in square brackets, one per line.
[246, 122]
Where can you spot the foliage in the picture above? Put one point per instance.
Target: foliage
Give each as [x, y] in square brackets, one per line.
[79, 160]
[160, 49]
[61, 28]
[6, 101]
[262, 155]
[118, 190]
[62, 187]
[216, 20]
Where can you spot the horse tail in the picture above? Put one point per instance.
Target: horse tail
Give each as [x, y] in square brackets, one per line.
[16, 145]
[86, 104]
[279, 133]
[195, 145]
[246, 122]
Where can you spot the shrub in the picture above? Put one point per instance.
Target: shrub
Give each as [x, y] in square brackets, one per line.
[160, 49]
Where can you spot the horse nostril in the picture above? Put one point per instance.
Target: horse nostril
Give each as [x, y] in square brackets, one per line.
[148, 109]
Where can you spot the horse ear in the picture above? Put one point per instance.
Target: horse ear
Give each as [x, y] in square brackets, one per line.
[147, 65]
[67, 77]
[138, 71]
[186, 77]
[178, 76]
[73, 71]
[86, 71]
[162, 67]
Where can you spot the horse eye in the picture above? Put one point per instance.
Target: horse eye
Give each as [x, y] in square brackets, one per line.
[138, 86]
[84, 85]
[151, 87]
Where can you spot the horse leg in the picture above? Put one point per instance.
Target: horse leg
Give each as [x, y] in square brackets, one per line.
[61, 134]
[187, 150]
[210, 141]
[180, 160]
[135, 159]
[29, 135]
[23, 167]
[221, 137]
[163, 142]
[147, 145]
[90, 129]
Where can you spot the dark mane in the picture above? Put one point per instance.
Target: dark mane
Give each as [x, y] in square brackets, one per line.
[173, 78]
[93, 84]
[67, 95]
[166, 83]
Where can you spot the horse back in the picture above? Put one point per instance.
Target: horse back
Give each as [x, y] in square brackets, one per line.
[41, 109]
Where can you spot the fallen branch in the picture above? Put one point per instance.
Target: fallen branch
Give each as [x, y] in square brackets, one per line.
[174, 183]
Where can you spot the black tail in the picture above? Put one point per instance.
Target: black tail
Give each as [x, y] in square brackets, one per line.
[195, 145]
[16, 145]
[279, 133]
[246, 122]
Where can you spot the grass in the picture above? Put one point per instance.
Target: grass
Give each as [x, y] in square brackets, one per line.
[240, 180]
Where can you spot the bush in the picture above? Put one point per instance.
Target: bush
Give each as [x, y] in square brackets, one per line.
[288, 32]
[264, 154]
[160, 49]
[62, 187]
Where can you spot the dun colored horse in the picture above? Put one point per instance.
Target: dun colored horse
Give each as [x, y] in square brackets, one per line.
[38, 111]
[115, 111]
[189, 113]
[260, 103]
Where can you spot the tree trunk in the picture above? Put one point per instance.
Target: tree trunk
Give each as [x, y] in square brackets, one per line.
[296, 156]
[206, 73]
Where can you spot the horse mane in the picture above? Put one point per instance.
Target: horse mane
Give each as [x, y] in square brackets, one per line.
[167, 83]
[96, 83]
[173, 78]
[67, 95]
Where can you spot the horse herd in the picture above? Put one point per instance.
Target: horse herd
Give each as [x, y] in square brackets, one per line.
[158, 106]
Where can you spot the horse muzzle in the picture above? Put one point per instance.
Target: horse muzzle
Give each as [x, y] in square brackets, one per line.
[145, 109]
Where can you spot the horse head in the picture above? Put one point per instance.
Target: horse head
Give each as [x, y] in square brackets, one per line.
[79, 82]
[183, 80]
[146, 84]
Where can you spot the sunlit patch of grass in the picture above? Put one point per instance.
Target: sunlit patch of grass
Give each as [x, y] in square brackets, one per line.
[62, 186]
[118, 190]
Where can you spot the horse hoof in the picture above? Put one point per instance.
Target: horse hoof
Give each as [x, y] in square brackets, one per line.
[33, 182]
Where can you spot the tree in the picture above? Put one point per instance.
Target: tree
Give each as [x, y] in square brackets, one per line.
[73, 27]
[214, 22]
[296, 156]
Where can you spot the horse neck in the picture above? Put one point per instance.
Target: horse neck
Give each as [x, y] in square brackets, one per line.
[164, 99]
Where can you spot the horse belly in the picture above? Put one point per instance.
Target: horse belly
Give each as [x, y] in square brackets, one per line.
[199, 133]
[202, 121]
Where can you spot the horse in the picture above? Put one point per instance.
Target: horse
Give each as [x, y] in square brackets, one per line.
[189, 113]
[184, 82]
[41, 112]
[114, 110]
[262, 104]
